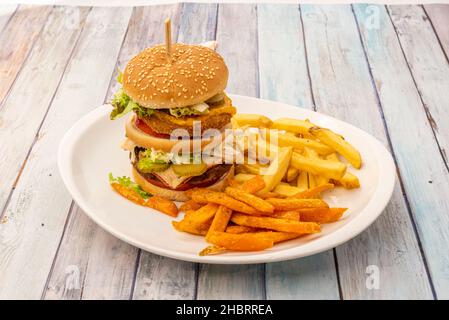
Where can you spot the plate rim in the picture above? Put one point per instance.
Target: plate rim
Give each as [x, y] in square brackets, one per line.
[374, 208]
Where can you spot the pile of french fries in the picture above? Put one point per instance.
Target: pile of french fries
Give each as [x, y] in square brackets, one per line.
[245, 218]
[307, 155]
[266, 202]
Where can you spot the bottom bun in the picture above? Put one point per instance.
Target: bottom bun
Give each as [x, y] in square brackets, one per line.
[178, 195]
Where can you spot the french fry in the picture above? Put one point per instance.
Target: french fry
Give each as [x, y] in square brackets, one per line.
[286, 190]
[291, 174]
[348, 181]
[312, 180]
[303, 181]
[253, 185]
[321, 215]
[270, 194]
[311, 193]
[197, 222]
[240, 242]
[284, 225]
[294, 204]
[339, 144]
[241, 229]
[277, 170]
[251, 200]
[278, 236]
[163, 205]
[242, 177]
[128, 193]
[209, 196]
[316, 180]
[220, 221]
[290, 140]
[234, 183]
[248, 168]
[292, 125]
[189, 205]
[251, 120]
[291, 215]
[330, 169]
[210, 250]
[155, 202]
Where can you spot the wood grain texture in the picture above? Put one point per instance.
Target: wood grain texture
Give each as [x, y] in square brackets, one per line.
[151, 281]
[107, 264]
[6, 12]
[17, 39]
[39, 205]
[163, 278]
[439, 16]
[90, 265]
[429, 67]
[424, 174]
[284, 77]
[33, 90]
[237, 42]
[198, 23]
[112, 276]
[144, 30]
[342, 87]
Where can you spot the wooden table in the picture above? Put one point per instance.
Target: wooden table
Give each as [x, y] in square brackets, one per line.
[383, 69]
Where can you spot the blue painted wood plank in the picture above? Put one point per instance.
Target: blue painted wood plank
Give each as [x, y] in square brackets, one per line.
[423, 171]
[342, 87]
[284, 77]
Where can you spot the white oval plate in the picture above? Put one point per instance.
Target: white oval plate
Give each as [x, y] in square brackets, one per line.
[91, 149]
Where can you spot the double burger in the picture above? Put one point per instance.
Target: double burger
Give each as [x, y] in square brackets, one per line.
[167, 93]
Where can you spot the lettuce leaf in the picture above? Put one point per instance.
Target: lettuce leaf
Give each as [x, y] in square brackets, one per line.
[128, 183]
[120, 76]
[123, 104]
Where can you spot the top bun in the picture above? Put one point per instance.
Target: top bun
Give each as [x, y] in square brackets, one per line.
[195, 74]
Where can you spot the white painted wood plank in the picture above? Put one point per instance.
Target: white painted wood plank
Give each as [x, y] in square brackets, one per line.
[39, 205]
[33, 90]
[91, 263]
[163, 278]
[284, 77]
[237, 42]
[282, 60]
[198, 23]
[428, 64]
[101, 279]
[423, 172]
[17, 39]
[6, 12]
[439, 16]
[342, 87]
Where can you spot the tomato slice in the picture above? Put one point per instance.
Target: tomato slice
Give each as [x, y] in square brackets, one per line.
[142, 126]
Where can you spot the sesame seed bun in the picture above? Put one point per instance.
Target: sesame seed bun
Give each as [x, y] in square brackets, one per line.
[178, 195]
[195, 74]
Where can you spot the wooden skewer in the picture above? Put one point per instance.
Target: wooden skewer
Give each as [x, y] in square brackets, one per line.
[168, 38]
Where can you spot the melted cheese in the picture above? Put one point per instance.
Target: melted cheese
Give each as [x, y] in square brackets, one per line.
[170, 178]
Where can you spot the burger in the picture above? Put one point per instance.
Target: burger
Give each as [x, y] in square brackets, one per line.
[170, 95]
